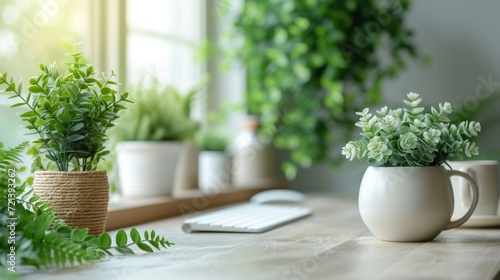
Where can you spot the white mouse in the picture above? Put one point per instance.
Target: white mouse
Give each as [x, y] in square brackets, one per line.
[278, 196]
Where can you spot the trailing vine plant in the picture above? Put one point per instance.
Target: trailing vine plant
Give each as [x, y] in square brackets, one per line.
[310, 64]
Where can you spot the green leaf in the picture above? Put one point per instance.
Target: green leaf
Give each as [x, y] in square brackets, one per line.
[75, 137]
[155, 244]
[46, 220]
[35, 89]
[64, 230]
[121, 238]
[79, 234]
[105, 90]
[290, 169]
[34, 198]
[11, 87]
[108, 97]
[105, 240]
[28, 114]
[77, 127]
[145, 247]
[134, 234]
[125, 250]
[63, 259]
[92, 241]
[18, 105]
[120, 107]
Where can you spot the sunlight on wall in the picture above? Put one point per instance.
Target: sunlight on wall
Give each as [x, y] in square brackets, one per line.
[33, 32]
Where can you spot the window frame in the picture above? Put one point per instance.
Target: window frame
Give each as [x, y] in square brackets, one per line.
[106, 45]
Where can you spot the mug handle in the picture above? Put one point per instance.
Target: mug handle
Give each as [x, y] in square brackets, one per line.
[466, 193]
[475, 197]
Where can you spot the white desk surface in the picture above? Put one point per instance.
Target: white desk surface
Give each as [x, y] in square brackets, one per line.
[331, 244]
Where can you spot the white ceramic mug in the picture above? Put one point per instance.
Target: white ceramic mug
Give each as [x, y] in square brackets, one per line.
[408, 204]
[485, 173]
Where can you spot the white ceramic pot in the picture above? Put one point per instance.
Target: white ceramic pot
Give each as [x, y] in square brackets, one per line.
[186, 175]
[410, 203]
[214, 171]
[147, 169]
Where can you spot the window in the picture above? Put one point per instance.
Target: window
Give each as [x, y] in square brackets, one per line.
[33, 32]
[163, 38]
[138, 39]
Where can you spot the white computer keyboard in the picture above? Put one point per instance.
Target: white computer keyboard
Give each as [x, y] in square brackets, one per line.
[247, 217]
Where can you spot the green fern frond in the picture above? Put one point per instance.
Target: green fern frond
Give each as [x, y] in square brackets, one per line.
[10, 157]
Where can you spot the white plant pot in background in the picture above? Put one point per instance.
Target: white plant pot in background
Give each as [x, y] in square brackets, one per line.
[214, 171]
[146, 168]
[186, 175]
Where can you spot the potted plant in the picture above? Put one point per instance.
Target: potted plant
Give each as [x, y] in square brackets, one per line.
[40, 238]
[214, 164]
[150, 139]
[406, 194]
[70, 113]
[311, 64]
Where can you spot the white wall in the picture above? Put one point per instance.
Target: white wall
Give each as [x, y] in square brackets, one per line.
[463, 39]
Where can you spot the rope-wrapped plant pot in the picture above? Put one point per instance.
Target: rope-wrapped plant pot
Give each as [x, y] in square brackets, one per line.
[79, 198]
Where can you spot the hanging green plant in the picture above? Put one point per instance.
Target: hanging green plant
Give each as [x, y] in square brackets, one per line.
[312, 63]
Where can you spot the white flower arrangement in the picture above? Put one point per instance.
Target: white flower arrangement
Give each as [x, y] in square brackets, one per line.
[412, 137]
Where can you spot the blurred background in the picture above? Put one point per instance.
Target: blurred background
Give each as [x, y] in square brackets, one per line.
[445, 50]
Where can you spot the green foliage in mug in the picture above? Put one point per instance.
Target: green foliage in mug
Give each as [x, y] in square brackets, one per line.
[413, 137]
[70, 112]
[159, 114]
[41, 239]
[312, 63]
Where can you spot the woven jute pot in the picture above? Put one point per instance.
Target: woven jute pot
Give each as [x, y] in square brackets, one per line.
[80, 198]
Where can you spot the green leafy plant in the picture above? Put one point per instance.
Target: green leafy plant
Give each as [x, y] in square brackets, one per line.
[311, 64]
[412, 137]
[159, 114]
[213, 140]
[31, 232]
[70, 112]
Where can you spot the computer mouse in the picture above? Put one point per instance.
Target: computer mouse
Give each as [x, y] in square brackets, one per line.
[278, 196]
